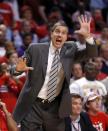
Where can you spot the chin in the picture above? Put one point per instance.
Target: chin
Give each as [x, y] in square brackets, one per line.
[58, 46]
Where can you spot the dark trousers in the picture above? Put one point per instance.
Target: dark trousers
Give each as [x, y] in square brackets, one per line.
[43, 117]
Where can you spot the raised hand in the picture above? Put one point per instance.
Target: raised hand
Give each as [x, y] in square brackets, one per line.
[21, 65]
[85, 26]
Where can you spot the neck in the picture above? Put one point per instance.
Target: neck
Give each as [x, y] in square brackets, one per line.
[90, 79]
[93, 113]
[74, 117]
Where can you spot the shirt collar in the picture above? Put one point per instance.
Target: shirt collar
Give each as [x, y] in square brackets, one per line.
[77, 120]
[53, 49]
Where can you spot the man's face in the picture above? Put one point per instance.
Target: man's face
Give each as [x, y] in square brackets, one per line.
[105, 54]
[99, 63]
[92, 73]
[13, 58]
[95, 105]
[77, 71]
[27, 40]
[59, 36]
[76, 106]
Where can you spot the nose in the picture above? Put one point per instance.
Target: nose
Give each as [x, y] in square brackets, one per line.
[60, 34]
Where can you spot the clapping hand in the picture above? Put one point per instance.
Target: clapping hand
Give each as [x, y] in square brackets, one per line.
[85, 26]
[21, 65]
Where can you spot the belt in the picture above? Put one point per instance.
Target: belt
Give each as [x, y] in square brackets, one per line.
[42, 100]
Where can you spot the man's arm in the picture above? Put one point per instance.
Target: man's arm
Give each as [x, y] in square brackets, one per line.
[91, 48]
[90, 51]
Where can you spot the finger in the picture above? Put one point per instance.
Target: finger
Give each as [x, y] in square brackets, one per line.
[85, 17]
[89, 20]
[77, 31]
[82, 18]
[29, 68]
[25, 60]
[79, 19]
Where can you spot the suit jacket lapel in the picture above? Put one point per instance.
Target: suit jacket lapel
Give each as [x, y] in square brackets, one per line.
[65, 62]
[45, 51]
[83, 128]
[62, 52]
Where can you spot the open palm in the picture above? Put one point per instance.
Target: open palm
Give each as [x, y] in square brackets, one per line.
[85, 26]
[21, 65]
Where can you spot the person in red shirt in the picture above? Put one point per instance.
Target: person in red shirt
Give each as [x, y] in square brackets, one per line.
[7, 13]
[99, 63]
[93, 107]
[6, 121]
[8, 93]
[8, 88]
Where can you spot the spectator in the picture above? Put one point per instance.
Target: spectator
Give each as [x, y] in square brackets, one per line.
[81, 11]
[12, 58]
[8, 88]
[99, 119]
[5, 45]
[27, 40]
[97, 4]
[7, 31]
[10, 123]
[18, 35]
[8, 92]
[6, 12]
[99, 63]
[77, 72]
[88, 83]
[98, 20]
[104, 55]
[103, 38]
[40, 30]
[78, 120]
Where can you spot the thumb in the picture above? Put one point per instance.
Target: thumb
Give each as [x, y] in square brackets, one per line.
[29, 68]
[77, 31]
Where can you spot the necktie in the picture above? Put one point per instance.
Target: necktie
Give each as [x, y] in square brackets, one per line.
[52, 83]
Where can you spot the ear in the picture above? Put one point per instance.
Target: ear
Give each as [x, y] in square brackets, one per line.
[87, 105]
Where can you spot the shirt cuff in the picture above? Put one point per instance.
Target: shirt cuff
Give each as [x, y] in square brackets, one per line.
[90, 40]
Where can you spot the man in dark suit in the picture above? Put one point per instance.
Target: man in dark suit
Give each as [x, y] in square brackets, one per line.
[78, 120]
[43, 101]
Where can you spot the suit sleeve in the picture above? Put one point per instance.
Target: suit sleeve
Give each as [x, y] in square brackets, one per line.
[28, 55]
[90, 51]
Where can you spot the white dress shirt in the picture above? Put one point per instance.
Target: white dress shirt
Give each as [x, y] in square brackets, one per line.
[75, 125]
[43, 92]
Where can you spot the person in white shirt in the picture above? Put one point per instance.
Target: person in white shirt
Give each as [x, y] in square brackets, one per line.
[88, 83]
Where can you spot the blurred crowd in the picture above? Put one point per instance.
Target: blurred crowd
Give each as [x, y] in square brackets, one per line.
[25, 22]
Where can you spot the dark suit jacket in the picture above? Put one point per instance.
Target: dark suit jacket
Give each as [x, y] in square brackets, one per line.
[37, 57]
[85, 123]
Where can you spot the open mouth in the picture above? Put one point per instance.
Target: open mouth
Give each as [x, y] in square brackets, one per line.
[58, 40]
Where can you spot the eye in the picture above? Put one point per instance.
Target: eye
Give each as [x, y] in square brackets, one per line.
[57, 31]
[64, 33]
